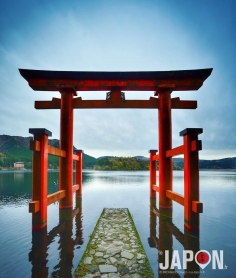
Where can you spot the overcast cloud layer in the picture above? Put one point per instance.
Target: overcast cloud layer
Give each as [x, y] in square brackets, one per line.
[121, 36]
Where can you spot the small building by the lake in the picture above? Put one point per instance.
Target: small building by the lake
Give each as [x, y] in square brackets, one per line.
[19, 165]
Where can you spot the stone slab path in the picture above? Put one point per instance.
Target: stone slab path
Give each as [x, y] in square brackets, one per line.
[114, 249]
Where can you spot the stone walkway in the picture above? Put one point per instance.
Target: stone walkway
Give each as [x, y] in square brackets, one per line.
[114, 249]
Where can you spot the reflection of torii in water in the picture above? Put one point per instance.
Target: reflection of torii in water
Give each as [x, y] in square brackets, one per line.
[165, 242]
[41, 241]
[163, 83]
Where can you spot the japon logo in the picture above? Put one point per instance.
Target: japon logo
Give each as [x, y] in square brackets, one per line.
[202, 258]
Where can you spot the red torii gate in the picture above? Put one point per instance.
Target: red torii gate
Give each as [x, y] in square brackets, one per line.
[163, 83]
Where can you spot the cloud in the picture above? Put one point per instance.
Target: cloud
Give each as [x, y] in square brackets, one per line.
[115, 37]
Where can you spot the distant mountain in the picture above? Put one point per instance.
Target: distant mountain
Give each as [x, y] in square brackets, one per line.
[104, 157]
[177, 159]
[224, 163]
[120, 163]
[140, 157]
[16, 149]
[125, 163]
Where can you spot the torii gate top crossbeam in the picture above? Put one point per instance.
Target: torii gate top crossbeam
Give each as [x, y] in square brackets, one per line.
[182, 80]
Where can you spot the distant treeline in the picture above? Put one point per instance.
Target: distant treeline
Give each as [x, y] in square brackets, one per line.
[16, 149]
[121, 163]
[124, 163]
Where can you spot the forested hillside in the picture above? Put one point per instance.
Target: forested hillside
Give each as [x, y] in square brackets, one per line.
[125, 163]
[16, 149]
[121, 163]
[224, 163]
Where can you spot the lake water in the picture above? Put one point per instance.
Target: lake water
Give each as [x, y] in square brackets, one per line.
[56, 252]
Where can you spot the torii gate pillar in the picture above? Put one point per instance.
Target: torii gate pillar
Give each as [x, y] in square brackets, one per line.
[66, 144]
[165, 143]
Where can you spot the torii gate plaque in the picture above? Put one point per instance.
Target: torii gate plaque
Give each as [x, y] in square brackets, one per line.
[163, 83]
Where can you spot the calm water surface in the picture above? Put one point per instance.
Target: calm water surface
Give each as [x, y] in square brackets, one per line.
[57, 251]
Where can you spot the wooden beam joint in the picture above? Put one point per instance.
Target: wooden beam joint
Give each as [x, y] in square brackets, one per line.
[75, 187]
[35, 146]
[175, 197]
[52, 198]
[196, 145]
[33, 206]
[56, 152]
[155, 157]
[176, 151]
[75, 157]
[176, 103]
[197, 206]
[155, 187]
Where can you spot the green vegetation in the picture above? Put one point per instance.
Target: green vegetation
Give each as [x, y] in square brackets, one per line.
[125, 163]
[16, 149]
[147, 270]
[121, 163]
[88, 161]
[217, 164]
[12, 150]
[81, 269]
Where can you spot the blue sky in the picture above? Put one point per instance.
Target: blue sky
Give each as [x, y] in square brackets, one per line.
[121, 36]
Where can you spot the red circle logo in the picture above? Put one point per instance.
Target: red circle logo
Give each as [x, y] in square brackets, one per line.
[202, 257]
